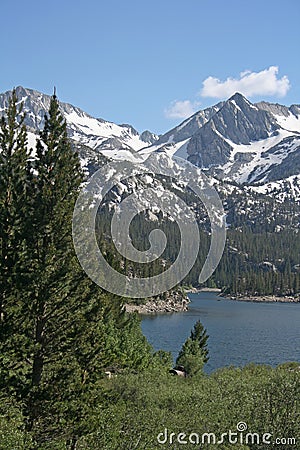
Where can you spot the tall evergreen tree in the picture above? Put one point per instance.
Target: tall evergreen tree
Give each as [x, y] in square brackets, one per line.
[58, 329]
[60, 298]
[194, 352]
[14, 171]
[15, 208]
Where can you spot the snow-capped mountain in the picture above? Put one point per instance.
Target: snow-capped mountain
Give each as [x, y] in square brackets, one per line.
[235, 140]
[97, 134]
[239, 141]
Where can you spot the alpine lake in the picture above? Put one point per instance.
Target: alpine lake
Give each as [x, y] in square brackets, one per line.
[240, 332]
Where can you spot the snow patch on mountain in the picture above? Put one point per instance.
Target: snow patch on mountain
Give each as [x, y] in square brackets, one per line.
[96, 132]
[178, 149]
[246, 162]
[281, 189]
[290, 122]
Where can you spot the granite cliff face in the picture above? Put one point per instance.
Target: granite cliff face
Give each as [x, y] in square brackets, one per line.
[237, 122]
[239, 141]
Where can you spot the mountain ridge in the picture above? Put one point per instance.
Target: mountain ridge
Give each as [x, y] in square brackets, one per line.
[234, 140]
[81, 126]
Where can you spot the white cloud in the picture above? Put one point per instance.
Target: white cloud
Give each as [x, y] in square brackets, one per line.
[249, 84]
[181, 109]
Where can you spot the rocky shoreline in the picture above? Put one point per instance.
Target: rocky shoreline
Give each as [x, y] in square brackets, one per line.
[263, 298]
[179, 301]
[174, 302]
[250, 298]
[197, 290]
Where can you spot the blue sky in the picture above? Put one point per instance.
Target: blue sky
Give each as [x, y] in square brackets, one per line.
[151, 64]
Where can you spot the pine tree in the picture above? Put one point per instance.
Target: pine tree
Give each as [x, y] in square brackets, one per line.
[14, 170]
[194, 352]
[15, 212]
[68, 333]
[58, 329]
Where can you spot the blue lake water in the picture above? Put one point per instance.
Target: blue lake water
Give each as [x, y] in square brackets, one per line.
[239, 332]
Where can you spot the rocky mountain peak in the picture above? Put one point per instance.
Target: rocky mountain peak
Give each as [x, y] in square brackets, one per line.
[148, 137]
[83, 129]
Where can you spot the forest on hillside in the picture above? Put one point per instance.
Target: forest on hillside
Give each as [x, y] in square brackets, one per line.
[255, 262]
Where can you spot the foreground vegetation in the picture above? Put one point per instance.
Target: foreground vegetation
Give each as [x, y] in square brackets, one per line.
[133, 409]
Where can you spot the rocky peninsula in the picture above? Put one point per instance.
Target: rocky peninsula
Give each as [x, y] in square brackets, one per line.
[173, 301]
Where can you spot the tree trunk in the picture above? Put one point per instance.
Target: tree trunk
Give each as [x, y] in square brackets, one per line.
[33, 409]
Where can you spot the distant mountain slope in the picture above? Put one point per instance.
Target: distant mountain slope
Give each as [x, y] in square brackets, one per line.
[98, 134]
[189, 126]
